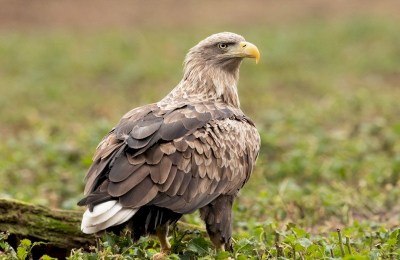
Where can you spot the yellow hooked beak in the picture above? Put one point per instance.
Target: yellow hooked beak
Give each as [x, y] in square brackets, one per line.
[248, 50]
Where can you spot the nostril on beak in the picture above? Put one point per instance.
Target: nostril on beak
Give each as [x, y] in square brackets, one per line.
[244, 45]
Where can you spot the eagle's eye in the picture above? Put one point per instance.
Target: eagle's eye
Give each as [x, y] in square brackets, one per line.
[222, 46]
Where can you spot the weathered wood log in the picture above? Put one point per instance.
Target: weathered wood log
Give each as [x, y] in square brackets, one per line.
[59, 229]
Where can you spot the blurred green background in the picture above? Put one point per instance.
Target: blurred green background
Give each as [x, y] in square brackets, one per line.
[325, 98]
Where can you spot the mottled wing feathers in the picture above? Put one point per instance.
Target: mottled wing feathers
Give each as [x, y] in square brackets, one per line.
[178, 158]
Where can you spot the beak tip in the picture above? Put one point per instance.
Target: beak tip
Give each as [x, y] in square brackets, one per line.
[250, 51]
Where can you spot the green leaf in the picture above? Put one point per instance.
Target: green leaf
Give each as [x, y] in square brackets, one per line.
[396, 236]
[26, 243]
[299, 232]
[304, 242]
[241, 257]
[173, 257]
[222, 255]
[290, 239]
[22, 253]
[198, 245]
[259, 232]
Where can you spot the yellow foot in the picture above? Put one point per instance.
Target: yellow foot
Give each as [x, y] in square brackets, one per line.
[160, 256]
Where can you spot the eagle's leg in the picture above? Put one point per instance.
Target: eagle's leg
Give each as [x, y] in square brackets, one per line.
[162, 234]
[218, 218]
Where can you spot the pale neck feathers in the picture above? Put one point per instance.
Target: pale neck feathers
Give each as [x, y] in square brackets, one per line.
[206, 82]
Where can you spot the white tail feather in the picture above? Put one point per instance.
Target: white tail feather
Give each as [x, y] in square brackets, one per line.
[105, 215]
[100, 208]
[128, 215]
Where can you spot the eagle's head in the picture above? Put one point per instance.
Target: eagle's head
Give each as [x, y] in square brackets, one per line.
[211, 69]
[223, 50]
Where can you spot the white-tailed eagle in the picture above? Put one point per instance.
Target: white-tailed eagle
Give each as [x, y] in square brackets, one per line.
[194, 149]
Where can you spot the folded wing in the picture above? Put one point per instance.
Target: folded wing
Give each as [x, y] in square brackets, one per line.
[180, 159]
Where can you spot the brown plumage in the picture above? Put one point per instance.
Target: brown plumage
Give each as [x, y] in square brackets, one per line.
[194, 149]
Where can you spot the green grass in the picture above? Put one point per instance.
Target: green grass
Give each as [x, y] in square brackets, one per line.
[325, 98]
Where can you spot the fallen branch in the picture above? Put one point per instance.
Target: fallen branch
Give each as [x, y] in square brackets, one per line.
[59, 229]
